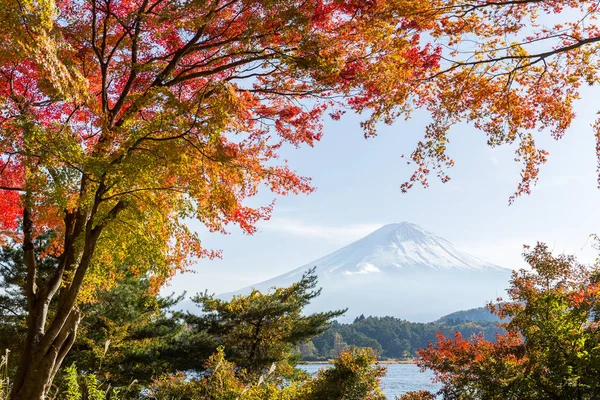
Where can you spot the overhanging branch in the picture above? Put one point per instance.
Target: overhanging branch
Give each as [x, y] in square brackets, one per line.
[11, 188]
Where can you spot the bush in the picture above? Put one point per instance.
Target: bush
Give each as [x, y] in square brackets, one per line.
[354, 376]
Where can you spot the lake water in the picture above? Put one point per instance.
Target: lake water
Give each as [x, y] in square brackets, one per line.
[400, 378]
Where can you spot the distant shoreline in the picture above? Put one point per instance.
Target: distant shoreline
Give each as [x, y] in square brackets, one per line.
[385, 362]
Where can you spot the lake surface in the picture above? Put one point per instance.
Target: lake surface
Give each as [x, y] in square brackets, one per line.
[400, 378]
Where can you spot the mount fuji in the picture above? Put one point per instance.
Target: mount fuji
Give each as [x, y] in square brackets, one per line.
[400, 270]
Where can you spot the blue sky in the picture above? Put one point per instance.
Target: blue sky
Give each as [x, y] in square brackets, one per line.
[358, 190]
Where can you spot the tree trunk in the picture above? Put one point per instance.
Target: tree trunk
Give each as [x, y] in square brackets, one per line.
[45, 349]
[49, 340]
[36, 375]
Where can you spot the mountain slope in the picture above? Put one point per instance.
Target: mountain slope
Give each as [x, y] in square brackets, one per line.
[400, 270]
[479, 314]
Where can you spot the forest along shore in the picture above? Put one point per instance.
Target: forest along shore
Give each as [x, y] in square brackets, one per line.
[407, 361]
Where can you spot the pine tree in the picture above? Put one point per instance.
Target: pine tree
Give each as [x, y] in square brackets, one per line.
[261, 328]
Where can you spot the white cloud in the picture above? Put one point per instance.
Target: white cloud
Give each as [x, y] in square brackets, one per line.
[336, 233]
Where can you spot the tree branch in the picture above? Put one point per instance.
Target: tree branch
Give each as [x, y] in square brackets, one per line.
[10, 188]
[133, 72]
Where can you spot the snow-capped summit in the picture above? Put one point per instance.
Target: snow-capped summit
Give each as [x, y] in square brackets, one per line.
[392, 248]
[401, 270]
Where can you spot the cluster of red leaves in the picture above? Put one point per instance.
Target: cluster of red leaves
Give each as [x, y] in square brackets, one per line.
[11, 178]
[458, 362]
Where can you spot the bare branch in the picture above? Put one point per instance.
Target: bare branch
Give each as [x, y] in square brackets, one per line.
[10, 188]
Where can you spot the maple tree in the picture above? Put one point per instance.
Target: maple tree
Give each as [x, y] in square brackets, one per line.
[551, 349]
[121, 119]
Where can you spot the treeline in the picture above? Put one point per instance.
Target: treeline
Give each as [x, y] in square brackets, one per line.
[393, 338]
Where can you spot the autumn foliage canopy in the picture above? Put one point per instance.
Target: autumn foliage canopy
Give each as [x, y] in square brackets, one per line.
[204, 94]
[150, 112]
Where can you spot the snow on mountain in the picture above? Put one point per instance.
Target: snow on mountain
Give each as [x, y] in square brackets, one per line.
[400, 270]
